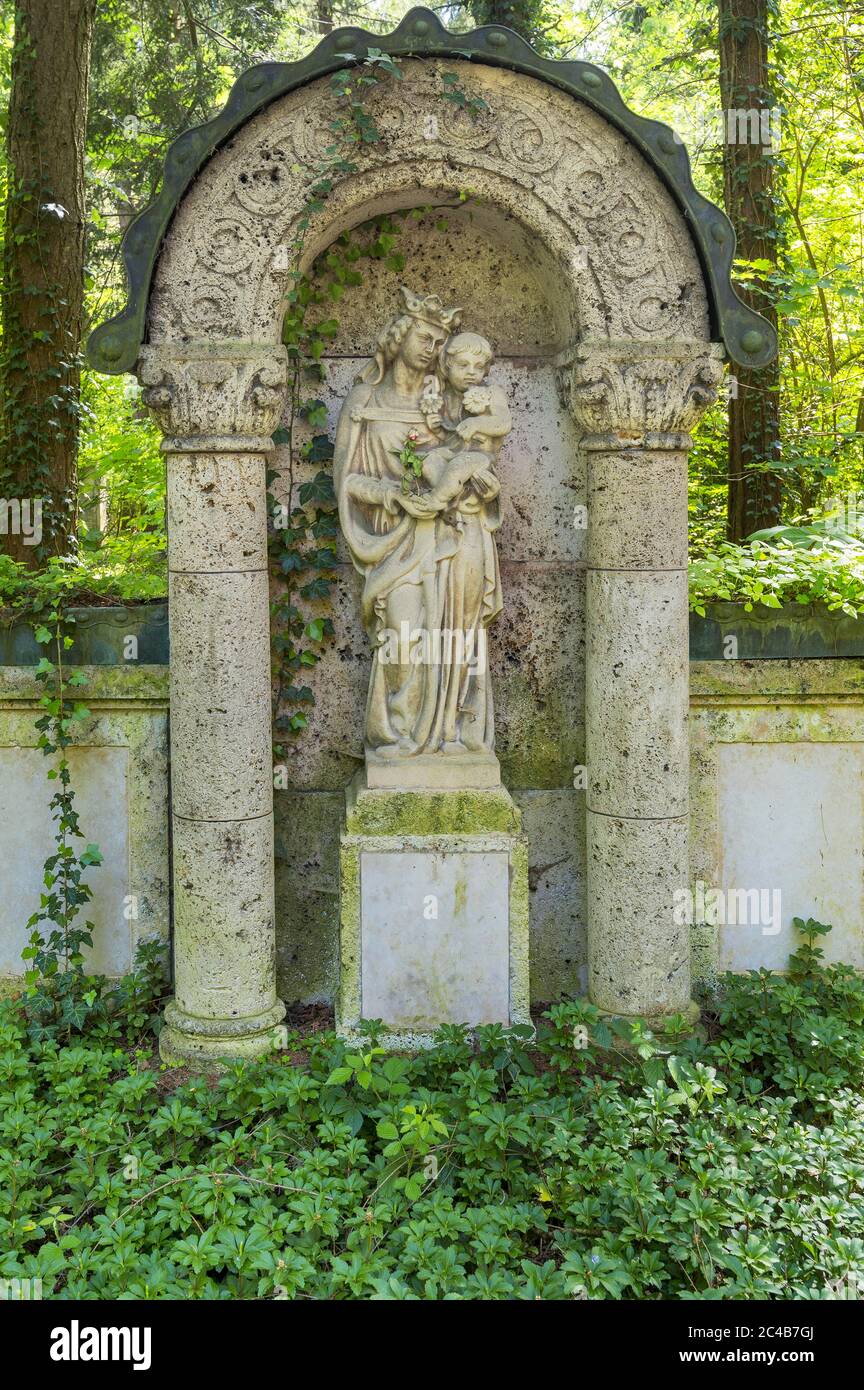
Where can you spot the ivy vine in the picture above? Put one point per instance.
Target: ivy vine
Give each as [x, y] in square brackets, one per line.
[60, 994]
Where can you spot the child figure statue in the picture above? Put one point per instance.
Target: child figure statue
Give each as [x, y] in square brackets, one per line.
[475, 425]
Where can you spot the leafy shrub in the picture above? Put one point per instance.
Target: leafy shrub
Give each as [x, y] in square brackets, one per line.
[758, 572]
[499, 1169]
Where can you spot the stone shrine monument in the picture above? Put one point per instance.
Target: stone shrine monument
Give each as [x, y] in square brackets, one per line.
[549, 365]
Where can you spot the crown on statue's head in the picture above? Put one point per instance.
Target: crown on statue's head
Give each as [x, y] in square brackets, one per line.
[431, 310]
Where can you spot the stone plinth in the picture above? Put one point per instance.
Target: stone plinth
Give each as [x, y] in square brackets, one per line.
[433, 772]
[434, 910]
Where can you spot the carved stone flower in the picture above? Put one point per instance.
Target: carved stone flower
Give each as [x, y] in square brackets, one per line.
[431, 399]
[477, 400]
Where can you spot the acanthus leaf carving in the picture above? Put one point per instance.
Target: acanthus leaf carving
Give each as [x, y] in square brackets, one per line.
[215, 397]
[637, 389]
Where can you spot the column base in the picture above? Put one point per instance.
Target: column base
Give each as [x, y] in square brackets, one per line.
[204, 1043]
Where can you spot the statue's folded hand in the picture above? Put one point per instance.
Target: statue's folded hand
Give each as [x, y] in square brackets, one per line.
[422, 507]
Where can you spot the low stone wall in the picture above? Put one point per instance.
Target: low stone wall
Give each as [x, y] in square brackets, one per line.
[777, 805]
[119, 766]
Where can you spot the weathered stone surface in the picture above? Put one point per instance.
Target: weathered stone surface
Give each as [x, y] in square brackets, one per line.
[648, 531]
[642, 399]
[553, 823]
[307, 894]
[100, 778]
[216, 512]
[307, 882]
[798, 843]
[427, 771]
[529, 320]
[220, 705]
[435, 938]
[794, 729]
[639, 958]
[468, 860]
[461, 811]
[636, 696]
[537, 657]
[213, 399]
[223, 921]
[215, 395]
[637, 391]
[627, 267]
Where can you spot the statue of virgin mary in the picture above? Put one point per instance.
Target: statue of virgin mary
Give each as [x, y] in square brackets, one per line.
[431, 581]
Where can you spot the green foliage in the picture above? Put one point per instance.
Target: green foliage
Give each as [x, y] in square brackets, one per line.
[798, 1036]
[121, 469]
[126, 569]
[824, 571]
[728, 1168]
[60, 995]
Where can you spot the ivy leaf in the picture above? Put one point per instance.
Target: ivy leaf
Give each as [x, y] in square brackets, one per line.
[315, 412]
[291, 562]
[317, 588]
[320, 488]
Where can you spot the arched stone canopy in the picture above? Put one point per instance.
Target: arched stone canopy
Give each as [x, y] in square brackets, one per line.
[627, 266]
[113, 347]
[635, 264]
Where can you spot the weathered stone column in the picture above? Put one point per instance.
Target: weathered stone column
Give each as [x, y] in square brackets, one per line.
[634, 403]
[217, 407]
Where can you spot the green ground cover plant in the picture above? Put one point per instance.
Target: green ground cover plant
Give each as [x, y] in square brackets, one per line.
[727, 1166]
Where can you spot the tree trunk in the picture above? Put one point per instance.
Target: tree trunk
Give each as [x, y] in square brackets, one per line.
[749, 123]
[44, 268]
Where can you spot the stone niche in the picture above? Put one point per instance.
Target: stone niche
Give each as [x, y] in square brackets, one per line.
[511, 291]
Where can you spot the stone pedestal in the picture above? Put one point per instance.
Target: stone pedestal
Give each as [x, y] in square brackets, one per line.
[434, 911]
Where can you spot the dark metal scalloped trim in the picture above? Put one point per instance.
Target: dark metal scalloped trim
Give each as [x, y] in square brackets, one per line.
[750, 341]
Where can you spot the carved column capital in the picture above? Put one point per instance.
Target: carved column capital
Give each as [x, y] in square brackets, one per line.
[215, 398]
[640, 395]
